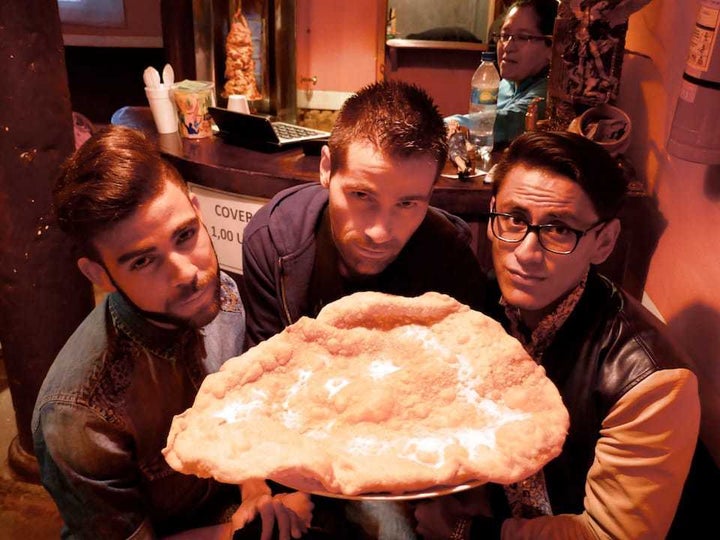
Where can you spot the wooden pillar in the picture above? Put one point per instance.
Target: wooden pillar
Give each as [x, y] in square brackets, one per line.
[43, 297]
[179, 37]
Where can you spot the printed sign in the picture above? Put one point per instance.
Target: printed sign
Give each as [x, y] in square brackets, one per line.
[225, 216]
[702, 40]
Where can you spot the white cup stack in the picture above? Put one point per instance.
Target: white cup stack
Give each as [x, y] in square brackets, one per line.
[158, 95]
[238, 103]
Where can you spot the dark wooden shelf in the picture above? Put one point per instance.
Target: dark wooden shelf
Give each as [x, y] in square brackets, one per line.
[400, 43]
[395, 47]
[213, 163]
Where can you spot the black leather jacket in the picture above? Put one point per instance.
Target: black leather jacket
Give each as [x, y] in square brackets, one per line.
[607, 345]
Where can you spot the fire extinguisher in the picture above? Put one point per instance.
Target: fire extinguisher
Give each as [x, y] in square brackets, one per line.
[695, 132]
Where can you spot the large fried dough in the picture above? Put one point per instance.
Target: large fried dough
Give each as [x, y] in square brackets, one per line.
[380, 393]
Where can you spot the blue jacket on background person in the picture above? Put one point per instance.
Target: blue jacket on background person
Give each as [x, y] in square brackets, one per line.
[512, 105]
[524, 50]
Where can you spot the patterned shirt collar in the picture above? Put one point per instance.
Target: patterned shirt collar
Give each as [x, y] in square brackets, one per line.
[541, 337]
[165, 343]
[162, 342]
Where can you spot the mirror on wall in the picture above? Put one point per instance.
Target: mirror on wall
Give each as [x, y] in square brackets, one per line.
[449, 20]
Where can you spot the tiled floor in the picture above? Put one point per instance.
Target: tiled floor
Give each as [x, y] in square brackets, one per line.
[26, 510]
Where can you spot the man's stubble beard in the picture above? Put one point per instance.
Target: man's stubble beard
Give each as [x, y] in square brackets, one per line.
[174, 320]
[168, 318]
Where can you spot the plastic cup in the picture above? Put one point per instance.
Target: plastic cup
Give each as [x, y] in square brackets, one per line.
[162, 108]
[238, 103]
[192, 100]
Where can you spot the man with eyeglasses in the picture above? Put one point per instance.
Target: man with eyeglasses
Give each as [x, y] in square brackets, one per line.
[633, 403]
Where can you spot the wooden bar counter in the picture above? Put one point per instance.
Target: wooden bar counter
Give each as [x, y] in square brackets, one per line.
[213, 163]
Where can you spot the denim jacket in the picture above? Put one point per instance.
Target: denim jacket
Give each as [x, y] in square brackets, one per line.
[104, 411]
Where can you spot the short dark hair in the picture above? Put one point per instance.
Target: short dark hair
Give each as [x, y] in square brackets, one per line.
[574, 157]
[105, 181]
[545, 11]
[398, 118]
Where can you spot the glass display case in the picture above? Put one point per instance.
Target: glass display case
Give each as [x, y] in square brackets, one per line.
[261, 46]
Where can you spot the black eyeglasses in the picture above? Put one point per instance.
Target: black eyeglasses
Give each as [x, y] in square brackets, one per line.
[553, 237]
[520, 39]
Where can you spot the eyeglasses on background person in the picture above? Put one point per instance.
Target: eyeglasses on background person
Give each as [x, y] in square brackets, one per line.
[521, 38]
[553, 237]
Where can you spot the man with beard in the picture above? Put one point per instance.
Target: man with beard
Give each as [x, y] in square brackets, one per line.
[171, 317]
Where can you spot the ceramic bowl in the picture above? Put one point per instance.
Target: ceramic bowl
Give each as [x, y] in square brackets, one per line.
[607, 125]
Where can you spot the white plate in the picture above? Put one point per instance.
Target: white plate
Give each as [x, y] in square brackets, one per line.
[435, 491]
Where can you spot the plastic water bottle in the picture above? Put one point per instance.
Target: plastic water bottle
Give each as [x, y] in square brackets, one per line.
[483, 105]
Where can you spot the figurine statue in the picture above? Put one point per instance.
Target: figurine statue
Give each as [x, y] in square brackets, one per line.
[588, 47]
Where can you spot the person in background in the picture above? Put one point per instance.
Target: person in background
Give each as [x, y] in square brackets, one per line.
[524, 48]
[368, 224]
[171, 317]
[633, 404]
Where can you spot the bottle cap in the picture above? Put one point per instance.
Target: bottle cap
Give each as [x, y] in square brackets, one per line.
[488, 56]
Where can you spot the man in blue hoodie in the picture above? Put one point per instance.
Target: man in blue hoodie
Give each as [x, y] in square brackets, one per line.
[368, 224]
